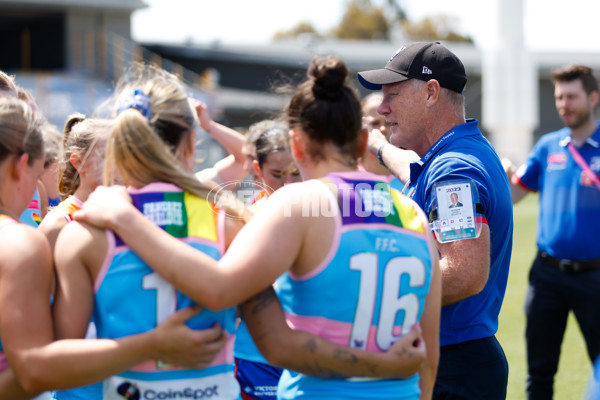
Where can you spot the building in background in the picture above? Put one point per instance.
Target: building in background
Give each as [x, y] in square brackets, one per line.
[69, 53]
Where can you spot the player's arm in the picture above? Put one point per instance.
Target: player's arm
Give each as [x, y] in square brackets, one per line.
[76, 362]
[430, 325]
[10, 388]
[306, 353]
[232, 166]
[259, 246]
[395, 159]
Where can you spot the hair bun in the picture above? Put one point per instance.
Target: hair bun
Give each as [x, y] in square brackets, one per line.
[329, 77]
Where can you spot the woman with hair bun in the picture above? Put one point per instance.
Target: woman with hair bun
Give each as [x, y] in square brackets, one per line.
[354, 260]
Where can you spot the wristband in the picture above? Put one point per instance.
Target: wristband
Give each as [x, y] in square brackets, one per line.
[379, 155]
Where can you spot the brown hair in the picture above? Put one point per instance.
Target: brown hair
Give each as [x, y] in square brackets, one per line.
[80, 135]
[327, 109]
[20, 130]
[274, 137]
[574, 72]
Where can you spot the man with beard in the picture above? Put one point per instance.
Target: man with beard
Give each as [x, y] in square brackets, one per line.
[563, 166]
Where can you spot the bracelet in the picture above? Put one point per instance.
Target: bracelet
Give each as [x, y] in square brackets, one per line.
[379, 155]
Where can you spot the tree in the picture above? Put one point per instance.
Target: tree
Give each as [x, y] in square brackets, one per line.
[434, 28]
[301, 28]
[362, 21]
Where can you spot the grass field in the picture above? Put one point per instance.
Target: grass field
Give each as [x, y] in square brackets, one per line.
[574, 366]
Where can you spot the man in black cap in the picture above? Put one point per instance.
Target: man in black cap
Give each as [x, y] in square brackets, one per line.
[423, 103]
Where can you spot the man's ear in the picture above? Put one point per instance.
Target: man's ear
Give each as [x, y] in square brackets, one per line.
[594, 97]
[432, 92]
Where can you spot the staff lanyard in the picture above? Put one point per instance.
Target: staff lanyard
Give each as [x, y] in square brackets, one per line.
[584, 166]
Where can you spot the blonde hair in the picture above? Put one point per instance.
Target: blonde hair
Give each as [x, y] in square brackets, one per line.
[172, 118]
[26, 96]
[21, 130]
[80, 135]
[136, 146]
[7, 84]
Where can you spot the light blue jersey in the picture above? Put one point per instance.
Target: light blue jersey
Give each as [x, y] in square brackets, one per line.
[32, 215]
[131, 298]
[369, 290]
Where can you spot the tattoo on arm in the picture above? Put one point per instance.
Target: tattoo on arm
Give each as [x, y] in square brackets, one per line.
[309, 363]
[263, 300]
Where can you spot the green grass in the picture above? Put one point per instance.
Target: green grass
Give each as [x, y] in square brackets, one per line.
[574, 366]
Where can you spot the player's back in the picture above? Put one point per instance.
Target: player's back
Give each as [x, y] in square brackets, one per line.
[131, 298]
[368, 291]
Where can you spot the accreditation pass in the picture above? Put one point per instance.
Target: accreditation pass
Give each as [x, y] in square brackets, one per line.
[455, 212]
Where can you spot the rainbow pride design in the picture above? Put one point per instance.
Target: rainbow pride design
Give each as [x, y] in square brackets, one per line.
[68, 206]
[179, 213]
[363, 200]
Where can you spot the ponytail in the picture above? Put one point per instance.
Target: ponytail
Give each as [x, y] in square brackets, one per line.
[141, 157]
[80, 136]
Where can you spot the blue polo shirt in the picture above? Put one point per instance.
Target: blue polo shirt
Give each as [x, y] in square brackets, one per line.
[569, 208]
[462, 153]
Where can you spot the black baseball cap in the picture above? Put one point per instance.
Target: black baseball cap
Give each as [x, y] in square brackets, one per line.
[419, 60]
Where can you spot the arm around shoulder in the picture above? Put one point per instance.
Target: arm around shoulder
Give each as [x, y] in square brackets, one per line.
[306, 353]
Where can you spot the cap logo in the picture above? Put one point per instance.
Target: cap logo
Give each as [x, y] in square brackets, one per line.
[396, 53]
[427, 71]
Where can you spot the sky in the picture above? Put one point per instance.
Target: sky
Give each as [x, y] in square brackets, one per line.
[548, 24]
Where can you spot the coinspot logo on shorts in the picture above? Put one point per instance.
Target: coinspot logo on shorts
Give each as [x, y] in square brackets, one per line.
[234, 196]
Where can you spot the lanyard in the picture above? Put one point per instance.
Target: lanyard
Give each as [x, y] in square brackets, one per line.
[434, 148]
[581, 162]
[427, 156]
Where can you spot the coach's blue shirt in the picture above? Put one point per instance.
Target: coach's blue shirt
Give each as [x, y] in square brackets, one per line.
[462, 153]
[569, 208]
